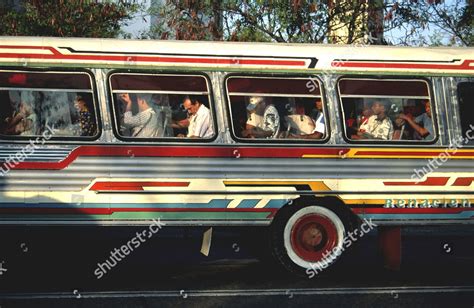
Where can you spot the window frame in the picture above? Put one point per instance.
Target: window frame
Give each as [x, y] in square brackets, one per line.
[115, 124]
[458, 81]
[93, 91]
[434, 110]
[286, 141]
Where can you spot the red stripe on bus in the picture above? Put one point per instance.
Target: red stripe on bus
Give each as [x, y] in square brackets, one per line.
[462, 181]
[430, 181]
[129, 58]
[152, 151]
[386, 65]
[134, 186]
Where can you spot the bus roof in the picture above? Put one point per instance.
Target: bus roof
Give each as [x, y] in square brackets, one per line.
[86, 52]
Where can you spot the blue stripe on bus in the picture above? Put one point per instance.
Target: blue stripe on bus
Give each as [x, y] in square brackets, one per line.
[215, 203]
[248, 203]
[276, 203]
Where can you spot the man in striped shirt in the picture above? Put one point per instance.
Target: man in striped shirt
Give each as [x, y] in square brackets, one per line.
[144, 124]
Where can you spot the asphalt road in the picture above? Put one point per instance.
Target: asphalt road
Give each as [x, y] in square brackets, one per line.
[55, 268]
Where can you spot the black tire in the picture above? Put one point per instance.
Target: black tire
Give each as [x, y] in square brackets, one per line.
[306, 239]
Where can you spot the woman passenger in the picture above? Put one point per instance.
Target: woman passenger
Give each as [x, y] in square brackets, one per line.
[86, 120]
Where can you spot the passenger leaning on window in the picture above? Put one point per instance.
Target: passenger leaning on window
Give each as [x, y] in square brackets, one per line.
[422, 124]
[144, 124]
[199, 123]
[378, 126]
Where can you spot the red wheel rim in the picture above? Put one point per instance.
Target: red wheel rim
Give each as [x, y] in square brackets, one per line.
[312, 236]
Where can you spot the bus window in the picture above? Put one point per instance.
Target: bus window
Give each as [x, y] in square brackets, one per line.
[276, 108]
[466, 108]
[162, 106]
[34, 101]
[386, 110]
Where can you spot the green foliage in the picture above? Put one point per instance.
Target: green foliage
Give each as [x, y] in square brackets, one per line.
[67, 18]
[406, 22]
[293, 21]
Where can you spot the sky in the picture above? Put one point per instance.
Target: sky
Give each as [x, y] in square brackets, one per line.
[140, 23]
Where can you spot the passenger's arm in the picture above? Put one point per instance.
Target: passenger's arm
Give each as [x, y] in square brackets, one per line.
[135, 120]
[255, 132]
[420, 130]
[315, 135]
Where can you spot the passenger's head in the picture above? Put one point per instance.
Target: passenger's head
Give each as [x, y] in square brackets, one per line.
[378, 108]
[80, 103]
[254, 101]
[191, 104]
[319, 104]
[299, 107]
[427, 108]
[143, 101]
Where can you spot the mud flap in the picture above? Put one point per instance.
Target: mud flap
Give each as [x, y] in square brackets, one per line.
[390, 245]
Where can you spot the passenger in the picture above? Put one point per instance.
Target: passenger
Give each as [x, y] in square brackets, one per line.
[297, 122]
[363, 119]
[29, 122]
[422, 124]
[263, 120]
[86, 119]
[22, 121]
[199, 123]
[378, 126]
[318, 123]
[144, 124]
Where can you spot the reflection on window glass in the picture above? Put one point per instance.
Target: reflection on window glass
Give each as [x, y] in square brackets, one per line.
[381, 110]
[276, 108]
[466, 108]
[33, 101]
[162, 106]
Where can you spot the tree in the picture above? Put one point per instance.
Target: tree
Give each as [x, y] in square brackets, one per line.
[450, 22]
[407, 22]
[187, 20]
[250, 20]
[67, 18]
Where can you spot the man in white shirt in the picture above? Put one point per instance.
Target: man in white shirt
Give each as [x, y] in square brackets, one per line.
[144, 124]
[199, 122]
[379, 126]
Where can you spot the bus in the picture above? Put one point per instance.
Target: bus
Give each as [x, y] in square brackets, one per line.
[308, 142]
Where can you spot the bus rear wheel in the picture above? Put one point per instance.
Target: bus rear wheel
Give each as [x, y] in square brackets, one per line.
[306, 239]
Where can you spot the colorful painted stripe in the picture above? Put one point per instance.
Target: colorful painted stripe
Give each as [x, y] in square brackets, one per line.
[430, 181]
[230, 152]
[51, 53]
[465, 65]
[133, 186]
